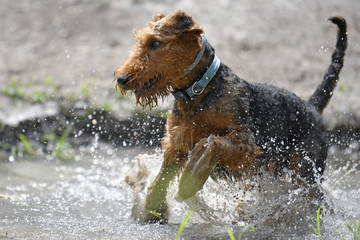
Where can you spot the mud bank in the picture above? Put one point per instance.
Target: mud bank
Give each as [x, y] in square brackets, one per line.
[86, 123]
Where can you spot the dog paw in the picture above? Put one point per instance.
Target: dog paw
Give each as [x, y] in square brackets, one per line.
[144, 212]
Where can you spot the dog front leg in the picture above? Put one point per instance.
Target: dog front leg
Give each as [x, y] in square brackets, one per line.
[156, 197]
[236, 152]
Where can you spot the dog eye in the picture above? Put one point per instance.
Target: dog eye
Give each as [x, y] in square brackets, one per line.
[154, 45]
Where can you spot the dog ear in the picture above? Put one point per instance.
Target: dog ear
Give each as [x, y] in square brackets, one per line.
[183, 20]
[184, 23]
[178, 24]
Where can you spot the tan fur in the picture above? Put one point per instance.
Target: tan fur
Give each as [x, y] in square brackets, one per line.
[190, 134]
[211, 132]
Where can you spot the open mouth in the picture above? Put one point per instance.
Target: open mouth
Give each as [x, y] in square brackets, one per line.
[150, 84]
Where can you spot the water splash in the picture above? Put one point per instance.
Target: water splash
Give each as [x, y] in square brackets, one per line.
[88, 198]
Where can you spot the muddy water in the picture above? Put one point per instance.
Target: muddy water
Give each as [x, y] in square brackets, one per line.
[45, 198]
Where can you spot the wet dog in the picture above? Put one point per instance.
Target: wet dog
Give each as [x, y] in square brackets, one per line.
[220, 124]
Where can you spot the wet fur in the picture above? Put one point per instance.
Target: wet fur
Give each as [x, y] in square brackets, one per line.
[234, 126]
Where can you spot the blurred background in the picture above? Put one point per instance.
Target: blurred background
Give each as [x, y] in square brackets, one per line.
[79, 43]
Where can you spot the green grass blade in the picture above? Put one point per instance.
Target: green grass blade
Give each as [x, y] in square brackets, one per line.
[357, 230]
[349, 227]
[183, 224]
[154, 213]
[244, 229]
[317, 230]
[231, 235]
[65, 135]
[342, 235]
[314, 229]
[318, 221]
[27, 145]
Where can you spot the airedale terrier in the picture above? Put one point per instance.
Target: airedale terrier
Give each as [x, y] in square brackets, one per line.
[220, 123]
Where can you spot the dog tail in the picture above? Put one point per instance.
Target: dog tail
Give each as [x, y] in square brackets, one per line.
[323, 93]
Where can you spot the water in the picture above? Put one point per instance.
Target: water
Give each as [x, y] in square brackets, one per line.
[87, 198]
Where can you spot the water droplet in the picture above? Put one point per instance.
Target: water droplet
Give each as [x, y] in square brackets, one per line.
[109, 151]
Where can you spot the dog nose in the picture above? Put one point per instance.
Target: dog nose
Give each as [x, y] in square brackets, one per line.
[123, 81]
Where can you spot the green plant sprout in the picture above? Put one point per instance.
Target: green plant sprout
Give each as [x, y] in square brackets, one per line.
[107, 107]
[155, 214]
[232, 236]
[5, 236]
[62, 148]
[13, 89]
[317, 230]
[183, 223]
[21, 90]
[355, 231]
[28, 149]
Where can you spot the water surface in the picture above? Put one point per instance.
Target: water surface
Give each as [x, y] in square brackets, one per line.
[87, 198]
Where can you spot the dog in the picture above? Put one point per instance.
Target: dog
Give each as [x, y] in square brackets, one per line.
[220, 124]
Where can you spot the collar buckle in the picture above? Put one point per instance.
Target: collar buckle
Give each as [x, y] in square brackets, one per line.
[197, 92]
